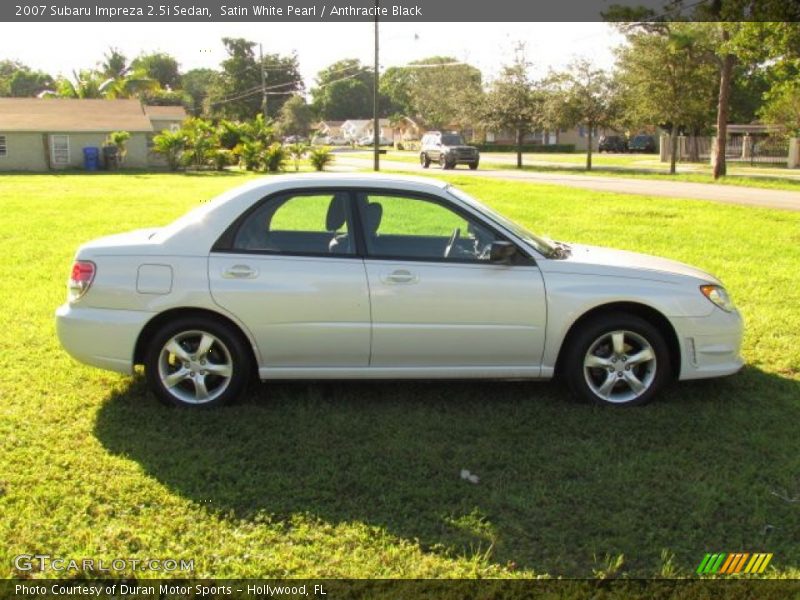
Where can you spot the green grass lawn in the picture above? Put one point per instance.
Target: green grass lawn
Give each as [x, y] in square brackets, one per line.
[638, 166]
[362, 479]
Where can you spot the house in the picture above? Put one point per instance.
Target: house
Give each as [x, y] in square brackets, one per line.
[385, 132]
[329, 132]
[355, 129]
[42, 134]
[165, 117]
[406, 129]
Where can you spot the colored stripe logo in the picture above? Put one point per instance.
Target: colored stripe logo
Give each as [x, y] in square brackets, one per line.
[730, 564]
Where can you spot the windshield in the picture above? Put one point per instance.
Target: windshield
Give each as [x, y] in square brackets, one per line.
[541, 244]
[452, 139]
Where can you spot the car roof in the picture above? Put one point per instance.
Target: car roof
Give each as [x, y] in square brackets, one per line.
[314, 180]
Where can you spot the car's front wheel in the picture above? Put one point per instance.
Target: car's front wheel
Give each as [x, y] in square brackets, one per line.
[424, 160]
[617, 359]
[197, 363]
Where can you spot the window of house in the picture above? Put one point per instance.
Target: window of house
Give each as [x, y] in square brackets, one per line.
[3, 146]
[59, 150]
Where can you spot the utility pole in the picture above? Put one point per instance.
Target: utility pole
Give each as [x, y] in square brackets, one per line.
[376, 134]
[263, 81]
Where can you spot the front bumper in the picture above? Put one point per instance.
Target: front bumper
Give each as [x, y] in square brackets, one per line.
[104, 338]
[463, 159]
[710, 345]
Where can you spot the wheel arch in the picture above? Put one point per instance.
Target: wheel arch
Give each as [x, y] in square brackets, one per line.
[643, 311]
[159, 320]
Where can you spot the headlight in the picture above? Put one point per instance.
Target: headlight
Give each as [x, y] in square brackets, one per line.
[718, 295]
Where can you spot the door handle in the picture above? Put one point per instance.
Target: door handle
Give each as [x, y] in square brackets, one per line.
[400, 276]
[239, 272]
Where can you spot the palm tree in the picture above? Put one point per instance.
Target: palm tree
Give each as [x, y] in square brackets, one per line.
[171, 145]
[84, 84]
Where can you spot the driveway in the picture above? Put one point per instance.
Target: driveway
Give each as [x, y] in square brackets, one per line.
[729, 194]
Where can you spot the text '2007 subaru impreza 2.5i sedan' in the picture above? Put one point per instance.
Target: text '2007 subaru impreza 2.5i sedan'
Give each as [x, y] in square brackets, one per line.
[374, 277]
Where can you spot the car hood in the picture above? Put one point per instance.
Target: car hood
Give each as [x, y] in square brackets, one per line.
[461, 147]
[632, 264]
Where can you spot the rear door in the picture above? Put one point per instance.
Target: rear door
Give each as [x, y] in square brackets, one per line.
[290, 272]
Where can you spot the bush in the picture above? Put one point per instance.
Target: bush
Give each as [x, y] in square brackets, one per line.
[171, 145]
[490, 147]
[408, 145]
[320, 157]
[221, 158]
[251, 155]
[120, 140]
[275, 157]
[297, 151]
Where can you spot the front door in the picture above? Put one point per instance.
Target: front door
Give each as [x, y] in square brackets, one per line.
[437, 300]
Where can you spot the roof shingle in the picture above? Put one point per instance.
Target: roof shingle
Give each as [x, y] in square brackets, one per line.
[67, 114]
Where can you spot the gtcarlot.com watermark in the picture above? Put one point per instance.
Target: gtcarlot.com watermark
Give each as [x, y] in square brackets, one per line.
[41, 563]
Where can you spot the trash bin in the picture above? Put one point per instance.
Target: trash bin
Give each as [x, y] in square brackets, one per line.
[111, 157]
[91, 159]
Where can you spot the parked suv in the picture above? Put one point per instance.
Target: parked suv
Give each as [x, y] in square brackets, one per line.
[642, 143]
[612, 143]
[447, 149]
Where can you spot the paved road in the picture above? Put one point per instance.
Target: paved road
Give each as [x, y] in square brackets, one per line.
[728, 194]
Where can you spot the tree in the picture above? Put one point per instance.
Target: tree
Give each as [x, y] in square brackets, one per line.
[19, 80]
[295, 117]
[666, 78]
[395, 89]
[343, 90]
[583, 95]
[114, 64]
[515, 102]
[196, 84]
[782, 106]
[119, 139]
[772, 50]
[171, 145]
[160, 67]
[29, 83]
[130, 85]
[238, 92]
[444, 91]
[84, 84]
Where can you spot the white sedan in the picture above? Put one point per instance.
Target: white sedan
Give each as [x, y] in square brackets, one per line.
[365, 277]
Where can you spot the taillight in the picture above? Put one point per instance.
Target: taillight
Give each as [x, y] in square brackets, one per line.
[80, 279]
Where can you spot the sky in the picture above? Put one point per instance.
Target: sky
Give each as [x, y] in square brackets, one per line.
[484, 45]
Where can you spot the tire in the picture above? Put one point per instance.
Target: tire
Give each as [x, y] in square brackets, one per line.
[473, 166]
[215, 376]
[424, 160]
[596, 371]
[442, 161]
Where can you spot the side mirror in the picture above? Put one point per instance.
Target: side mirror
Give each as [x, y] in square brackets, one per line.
[502, 251]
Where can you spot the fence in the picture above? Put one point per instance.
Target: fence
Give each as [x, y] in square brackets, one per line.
[738, 149]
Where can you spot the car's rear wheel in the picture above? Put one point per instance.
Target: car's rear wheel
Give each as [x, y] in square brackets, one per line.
[617, 359]
[424, 160]
[197, 363]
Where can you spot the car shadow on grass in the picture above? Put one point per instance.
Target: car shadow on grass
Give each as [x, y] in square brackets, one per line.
[561, 485]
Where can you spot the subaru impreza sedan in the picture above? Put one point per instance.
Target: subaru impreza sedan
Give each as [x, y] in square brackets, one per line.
[375, 277]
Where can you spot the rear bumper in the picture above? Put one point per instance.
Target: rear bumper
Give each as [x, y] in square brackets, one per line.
[710, 345]
[100, 337]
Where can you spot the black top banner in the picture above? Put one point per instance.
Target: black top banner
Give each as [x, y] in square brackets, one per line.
[444, 11]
